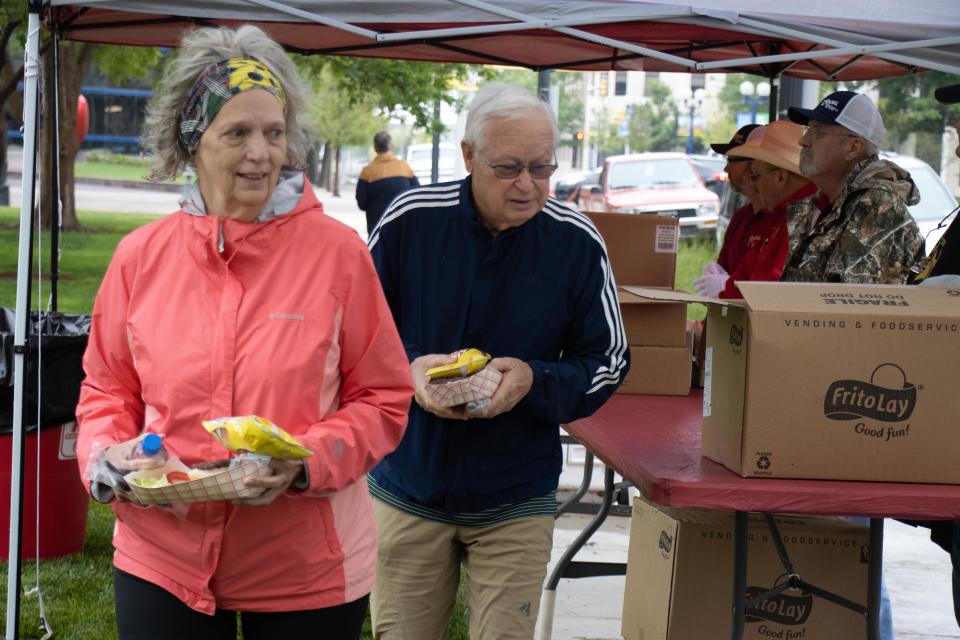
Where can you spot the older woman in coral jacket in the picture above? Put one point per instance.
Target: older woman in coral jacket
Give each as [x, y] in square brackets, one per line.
[248, 300]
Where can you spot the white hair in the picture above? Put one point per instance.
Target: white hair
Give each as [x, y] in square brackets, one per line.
[198, 50]
[506, 101]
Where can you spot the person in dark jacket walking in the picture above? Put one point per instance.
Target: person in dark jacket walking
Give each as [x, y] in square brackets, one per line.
[488, 262]
[383, 180]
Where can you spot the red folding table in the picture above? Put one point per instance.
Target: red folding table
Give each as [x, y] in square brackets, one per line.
[654, 443]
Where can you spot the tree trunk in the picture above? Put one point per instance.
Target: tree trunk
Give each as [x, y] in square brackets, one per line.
[313, 165]
[324, 179]
[336, 174]
[74, 61]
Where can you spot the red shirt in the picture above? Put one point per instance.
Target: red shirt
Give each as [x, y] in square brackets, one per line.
[763, 245]
[734, 241]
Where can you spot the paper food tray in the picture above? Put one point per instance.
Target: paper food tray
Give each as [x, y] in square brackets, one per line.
[226, 485]
[456, 391]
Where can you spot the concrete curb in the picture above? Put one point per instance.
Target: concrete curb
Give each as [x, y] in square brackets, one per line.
[109, 182]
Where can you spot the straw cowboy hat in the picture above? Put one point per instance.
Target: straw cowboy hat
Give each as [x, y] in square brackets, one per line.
[778, 143]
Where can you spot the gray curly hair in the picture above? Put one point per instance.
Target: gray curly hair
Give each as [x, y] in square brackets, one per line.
[198, 50]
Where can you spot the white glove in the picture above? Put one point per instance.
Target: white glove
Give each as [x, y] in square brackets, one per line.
[712, 268]
[710, 285]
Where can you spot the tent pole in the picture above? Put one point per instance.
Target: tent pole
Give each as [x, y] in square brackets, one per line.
[31, 68]
[774, 98]
[56, 216]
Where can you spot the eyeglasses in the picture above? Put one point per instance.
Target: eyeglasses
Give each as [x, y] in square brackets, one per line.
[819, 132]
[513, 171]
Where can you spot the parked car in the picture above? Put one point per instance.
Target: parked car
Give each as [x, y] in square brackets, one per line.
[567, 187]
[420, 159]
[712, 171]
[661, 183]
[936, 201]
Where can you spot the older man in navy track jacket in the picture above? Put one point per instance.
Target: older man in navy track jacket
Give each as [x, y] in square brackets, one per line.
[488, 262]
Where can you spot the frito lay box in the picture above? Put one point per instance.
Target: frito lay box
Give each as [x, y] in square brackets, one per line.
[832, 381]
[680, 576]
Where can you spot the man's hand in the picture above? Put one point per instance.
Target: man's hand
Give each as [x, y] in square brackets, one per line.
[284, 473]
[419, 369]
[514, 386]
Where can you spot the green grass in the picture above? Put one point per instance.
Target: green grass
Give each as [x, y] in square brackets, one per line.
[690, 260]
[83, 257]
[78, 590]
[132, 169]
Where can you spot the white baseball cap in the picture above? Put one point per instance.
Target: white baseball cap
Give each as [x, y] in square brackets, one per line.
[854, 111]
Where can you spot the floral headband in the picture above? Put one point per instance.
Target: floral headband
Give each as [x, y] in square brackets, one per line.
[214, 87]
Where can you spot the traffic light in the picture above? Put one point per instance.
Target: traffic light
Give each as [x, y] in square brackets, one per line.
[579, 135]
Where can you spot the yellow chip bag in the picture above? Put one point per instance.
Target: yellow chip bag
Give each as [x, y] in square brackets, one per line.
[256, 435]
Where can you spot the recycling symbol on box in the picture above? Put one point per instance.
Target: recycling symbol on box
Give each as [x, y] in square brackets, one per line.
[763, 462]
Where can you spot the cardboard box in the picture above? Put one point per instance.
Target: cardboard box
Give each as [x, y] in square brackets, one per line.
[642, 248]
[833, 381]
[653, 323]
[680, 572]
[660, 371]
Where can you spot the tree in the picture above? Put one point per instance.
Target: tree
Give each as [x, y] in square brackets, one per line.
[908, 107]
[652, 125]
[339, 119]
[392, 86]
[13, 17]
[75, 59]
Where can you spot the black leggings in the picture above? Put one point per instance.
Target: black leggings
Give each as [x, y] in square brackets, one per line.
[148, 612]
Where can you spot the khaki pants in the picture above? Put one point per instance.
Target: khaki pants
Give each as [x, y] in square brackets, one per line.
[418, 571]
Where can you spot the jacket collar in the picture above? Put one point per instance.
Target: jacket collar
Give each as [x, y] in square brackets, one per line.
[285, 197]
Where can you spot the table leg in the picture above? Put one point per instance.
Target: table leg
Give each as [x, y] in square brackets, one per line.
[584, 485]
[548, 600]
[874, 574]
[739, 575]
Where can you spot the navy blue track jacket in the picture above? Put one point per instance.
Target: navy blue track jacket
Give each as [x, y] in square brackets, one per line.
[542, 292]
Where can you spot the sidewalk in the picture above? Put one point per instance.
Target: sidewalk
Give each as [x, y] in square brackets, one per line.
[917, 573]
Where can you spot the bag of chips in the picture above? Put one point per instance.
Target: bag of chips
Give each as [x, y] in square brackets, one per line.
[257, 435]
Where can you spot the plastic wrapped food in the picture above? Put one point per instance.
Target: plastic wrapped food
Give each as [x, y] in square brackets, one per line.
[469, 362]
[256, 435]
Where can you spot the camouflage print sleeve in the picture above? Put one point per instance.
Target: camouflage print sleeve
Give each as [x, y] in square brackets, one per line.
[878, 244]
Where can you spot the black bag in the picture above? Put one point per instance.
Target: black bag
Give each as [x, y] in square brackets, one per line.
[64, 339]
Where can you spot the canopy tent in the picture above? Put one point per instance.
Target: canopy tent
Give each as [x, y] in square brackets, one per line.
[829, 40]
[826, 39]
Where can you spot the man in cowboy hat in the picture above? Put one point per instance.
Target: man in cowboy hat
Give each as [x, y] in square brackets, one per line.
[770, 155]
[745, 223]
[864, 233]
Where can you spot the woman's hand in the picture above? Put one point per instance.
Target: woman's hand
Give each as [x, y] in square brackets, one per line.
[284, 473]
[419, 369]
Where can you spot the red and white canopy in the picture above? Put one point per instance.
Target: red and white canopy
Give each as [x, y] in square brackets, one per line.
[815, 39]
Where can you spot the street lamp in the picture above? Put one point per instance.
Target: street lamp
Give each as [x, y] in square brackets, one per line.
[692, 104]
[754, 96]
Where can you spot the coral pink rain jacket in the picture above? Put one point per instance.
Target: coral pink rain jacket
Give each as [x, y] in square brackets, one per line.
[293, 327]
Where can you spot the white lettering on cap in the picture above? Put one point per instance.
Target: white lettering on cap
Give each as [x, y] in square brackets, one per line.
[830, 103]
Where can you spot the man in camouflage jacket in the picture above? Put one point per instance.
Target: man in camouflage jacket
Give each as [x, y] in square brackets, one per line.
[864, 232]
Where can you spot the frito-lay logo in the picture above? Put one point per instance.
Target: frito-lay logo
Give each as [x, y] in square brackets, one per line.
[888, 397]
[665, 543]
[736, 335]
[781, 608]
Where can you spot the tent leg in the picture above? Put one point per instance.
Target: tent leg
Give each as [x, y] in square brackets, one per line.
[31, 69]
